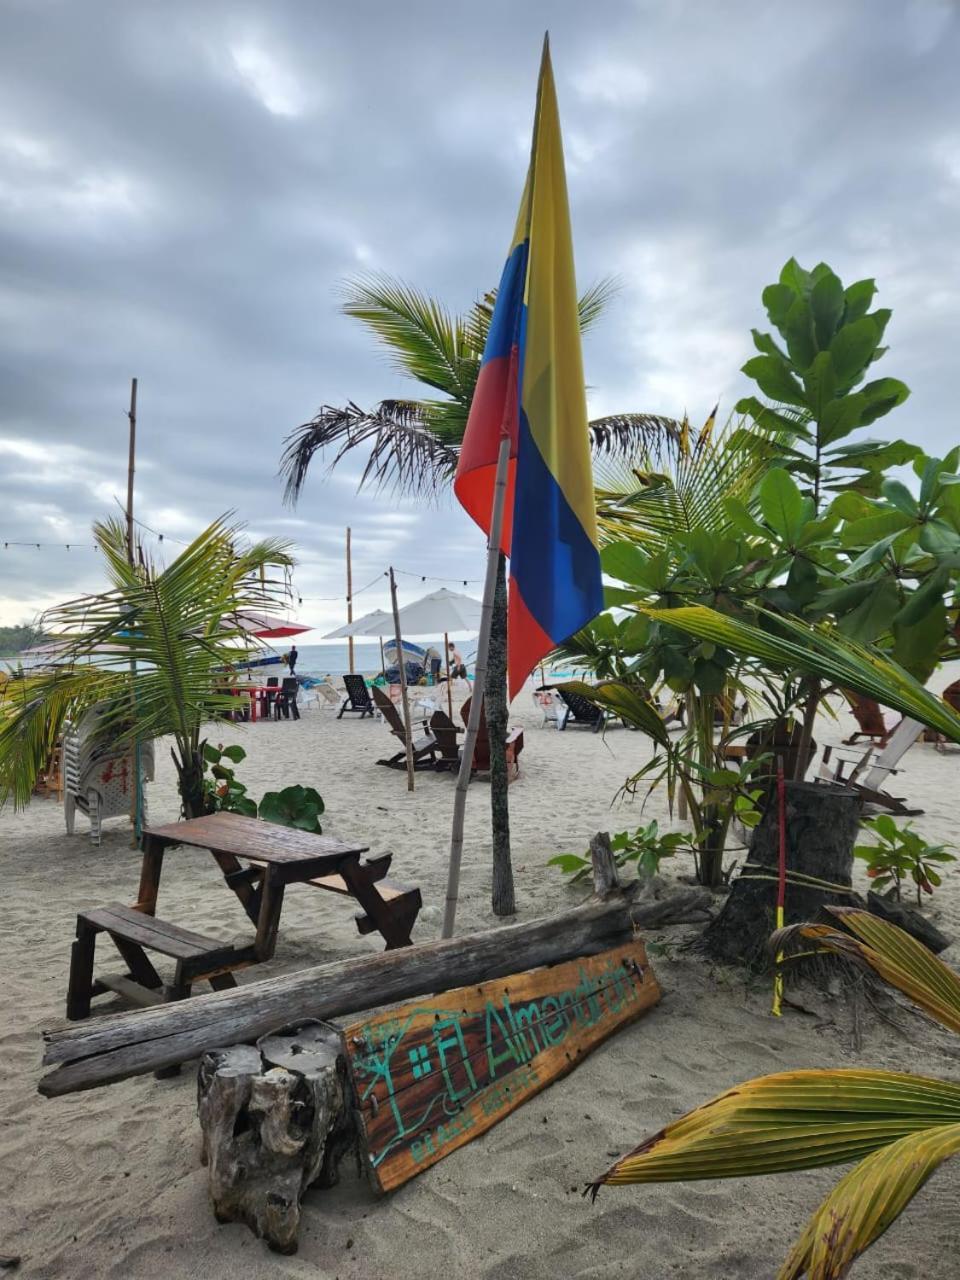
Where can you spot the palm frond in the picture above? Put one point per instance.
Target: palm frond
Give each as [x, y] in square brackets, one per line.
[404, 452]
[791, 1120]
[673, 485]
[866, 1202]
[427, 342]
[625, 435]
[790, 644]
[594, 301]
[900, 960]
[151, 649]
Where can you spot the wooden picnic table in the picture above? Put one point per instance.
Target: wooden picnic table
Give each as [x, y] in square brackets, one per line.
[258, 861]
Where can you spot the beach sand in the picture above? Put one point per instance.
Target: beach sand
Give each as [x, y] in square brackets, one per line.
[109, 1183]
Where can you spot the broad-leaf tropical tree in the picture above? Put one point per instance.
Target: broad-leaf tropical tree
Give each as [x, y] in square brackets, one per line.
[899, 1127]
[412, 446]
[151, 650]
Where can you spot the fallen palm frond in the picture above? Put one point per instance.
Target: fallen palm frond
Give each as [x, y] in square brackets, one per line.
[900, 1127]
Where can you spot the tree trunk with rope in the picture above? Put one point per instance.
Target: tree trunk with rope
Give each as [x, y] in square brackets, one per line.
[822, 824]
[495, 693]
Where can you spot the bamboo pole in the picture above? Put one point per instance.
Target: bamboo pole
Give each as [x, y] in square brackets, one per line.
[131, 459]
[135, 796]
[446, 658]
[404, 697]
[479, 684]
[349, 603]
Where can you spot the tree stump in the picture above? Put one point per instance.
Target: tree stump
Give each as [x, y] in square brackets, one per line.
[276, 1119]
[822, 824]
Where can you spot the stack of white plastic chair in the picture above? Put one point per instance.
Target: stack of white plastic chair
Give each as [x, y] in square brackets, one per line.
[98, 776]
[550, 706]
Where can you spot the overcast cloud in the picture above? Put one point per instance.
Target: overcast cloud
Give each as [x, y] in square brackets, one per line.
[183, 185]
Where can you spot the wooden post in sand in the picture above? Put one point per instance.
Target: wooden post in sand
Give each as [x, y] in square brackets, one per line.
[446, 658]
[131, 540]
[479, 684]
[404, 696]
[349, 602]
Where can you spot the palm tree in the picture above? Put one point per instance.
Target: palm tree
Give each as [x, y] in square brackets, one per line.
[150, 650]
[412, 447]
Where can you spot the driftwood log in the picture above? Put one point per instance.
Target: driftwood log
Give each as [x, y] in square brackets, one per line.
[822, 825]
[127, 1044]
[275, 1119]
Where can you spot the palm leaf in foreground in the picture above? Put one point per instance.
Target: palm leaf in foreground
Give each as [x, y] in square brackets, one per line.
[836, 659]
[900, 1127]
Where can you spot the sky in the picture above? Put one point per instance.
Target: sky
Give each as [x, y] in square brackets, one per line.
[184, 188]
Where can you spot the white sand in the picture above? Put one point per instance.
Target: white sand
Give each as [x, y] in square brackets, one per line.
[109, 1184]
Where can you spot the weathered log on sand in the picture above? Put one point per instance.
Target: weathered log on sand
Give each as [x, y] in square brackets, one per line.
[128, 1044]
[822, 824]
[276, 1119]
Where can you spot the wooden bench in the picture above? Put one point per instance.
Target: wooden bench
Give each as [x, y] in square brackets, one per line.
[405, 899]
[133, 933]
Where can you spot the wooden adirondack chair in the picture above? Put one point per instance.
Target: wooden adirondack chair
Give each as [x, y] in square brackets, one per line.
[481, 752]
[425, 748]
[358, 696]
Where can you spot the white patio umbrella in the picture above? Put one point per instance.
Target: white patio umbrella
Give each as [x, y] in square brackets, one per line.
[378, 623]
[444, 611]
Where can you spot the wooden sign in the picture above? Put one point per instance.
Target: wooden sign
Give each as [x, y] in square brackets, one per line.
[434, 1074]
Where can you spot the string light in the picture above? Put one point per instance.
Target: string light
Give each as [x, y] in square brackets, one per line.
[424, 577]
[42, 546]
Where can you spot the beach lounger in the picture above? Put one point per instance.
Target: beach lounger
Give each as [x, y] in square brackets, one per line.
[358, 697]
[328, 697]
[425, 748]
[581, 711]
[481, 752]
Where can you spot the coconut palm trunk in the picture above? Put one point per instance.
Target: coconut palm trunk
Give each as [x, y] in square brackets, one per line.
[495, 694]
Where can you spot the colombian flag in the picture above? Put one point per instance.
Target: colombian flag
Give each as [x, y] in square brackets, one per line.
[531, 388]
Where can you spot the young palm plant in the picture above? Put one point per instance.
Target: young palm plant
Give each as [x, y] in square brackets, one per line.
[151, 650]
[412, 446]
[899, 1127]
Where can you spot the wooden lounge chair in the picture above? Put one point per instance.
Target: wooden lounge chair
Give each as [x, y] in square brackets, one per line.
[445, 732]
[481, 752]
[869, 717]
[581, 711]
[425, 748]
[358, 697]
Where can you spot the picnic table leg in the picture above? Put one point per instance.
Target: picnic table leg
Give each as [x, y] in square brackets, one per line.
[271, 904]
[150, 870]
[80, 985]
[238, 879]
[392, 928]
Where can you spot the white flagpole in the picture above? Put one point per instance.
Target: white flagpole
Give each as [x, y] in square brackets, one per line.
[479, 684]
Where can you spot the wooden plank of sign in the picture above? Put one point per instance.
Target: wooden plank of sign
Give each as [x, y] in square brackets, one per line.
[434, 1074]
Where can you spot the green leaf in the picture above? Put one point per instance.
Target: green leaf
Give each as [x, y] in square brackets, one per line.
[569, 863]
[775, 380]
[802, 582]
[783, 506]
[901, 497]
[741, 519]
[778, 299]
[827, 304]
[625, 561]
[797, 328]
[926, 597]
[852, 350]
[858, 297]
[883, 395]
[234, 753]
[840, 417]
[821, 387]
[873, 455]
[210, 754]
[794, 276]
[874, 615]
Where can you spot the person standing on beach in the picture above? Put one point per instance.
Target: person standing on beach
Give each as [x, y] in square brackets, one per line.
[456, 662]
[292, 658]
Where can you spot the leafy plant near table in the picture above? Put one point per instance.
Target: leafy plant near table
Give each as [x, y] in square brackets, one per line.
[294, 806]
[899, 1127]
[902, 854]
[646, 847]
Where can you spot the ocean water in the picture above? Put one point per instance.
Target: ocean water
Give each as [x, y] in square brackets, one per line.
[332, 659]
